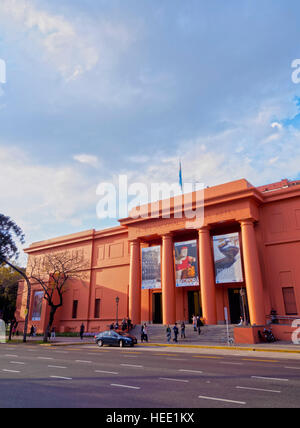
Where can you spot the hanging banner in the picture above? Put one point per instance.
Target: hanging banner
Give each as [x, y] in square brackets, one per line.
[151, 273]
[37, 305]
[227, 256]
[186, 264]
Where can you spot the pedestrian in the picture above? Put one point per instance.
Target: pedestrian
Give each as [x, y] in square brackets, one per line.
[31, 331]
[124, 324]
[195, 322]
[111, 327]
[199, 324]
[142, 334]
[81, 331]
[176, 331]
[168, 331]
[145, 329]
[53, 333]
[182, 330]
[129, 324]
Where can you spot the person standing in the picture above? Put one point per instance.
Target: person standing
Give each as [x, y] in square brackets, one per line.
[176, 331]
[81, 331]
[198, 325]
[168, 331]
[182, 330]
[53, 333]
[145, 329]
[195, 322]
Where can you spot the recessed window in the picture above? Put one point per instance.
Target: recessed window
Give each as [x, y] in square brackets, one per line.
[97, 308]
[74, 309]
[289, 301]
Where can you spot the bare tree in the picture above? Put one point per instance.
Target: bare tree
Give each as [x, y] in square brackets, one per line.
[54, 272]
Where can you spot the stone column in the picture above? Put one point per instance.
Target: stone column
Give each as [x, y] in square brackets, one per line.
[253, 277]
[207, 276]
[135, 282]
[168, 280]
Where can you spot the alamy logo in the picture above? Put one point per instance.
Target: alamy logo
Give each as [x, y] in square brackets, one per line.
[2, 331]
[2, 71]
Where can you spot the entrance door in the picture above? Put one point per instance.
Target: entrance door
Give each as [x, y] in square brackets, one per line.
[194, 305]
[237, 305]
[157, 308]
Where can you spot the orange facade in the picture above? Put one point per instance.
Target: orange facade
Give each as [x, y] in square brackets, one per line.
[265, 223]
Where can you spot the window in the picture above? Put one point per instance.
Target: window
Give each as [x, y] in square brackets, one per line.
[74, 310]
[97, 308]
[289, 301]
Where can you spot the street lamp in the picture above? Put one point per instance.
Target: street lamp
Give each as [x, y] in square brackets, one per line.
[117, 316]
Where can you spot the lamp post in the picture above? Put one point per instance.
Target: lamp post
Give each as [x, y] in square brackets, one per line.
[117, 315]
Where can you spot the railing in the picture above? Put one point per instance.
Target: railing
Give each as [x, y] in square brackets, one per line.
[282, 319]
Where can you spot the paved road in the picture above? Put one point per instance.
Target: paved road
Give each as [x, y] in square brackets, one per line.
[86, 376]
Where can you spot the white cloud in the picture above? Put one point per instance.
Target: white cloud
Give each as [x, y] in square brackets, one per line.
[90, 160]
[276, 125]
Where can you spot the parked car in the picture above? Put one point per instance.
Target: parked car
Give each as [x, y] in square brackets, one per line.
[114, 338]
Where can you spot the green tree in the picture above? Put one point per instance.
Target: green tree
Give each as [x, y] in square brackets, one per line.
[10, 235]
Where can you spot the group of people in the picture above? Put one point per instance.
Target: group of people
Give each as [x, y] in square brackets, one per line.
[197, 323]
[175, 332]
[126, 325]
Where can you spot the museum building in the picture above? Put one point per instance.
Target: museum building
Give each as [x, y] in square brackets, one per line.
[241, 261]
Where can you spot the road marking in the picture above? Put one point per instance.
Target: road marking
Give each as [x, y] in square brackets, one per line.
[221, 399]
[207, 356]
[125, 386]
[175, 380]
[254, 360]
[57, 367]
[45, 358]
[257, 389]
[131, 365]
[11, 371]
[167, 355]
[190, 371]
[292, 368]
[61, 352]
[104, 371]
[269, 378]
[16, 362]
[11, 355]
[175, 359]
[61, 377]
[83, 361]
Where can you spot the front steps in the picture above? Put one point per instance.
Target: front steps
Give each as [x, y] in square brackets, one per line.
[211, 334]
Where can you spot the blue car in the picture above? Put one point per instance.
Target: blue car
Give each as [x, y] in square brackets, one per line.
[113, 338]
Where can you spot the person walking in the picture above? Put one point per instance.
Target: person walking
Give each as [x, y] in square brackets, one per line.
[195, 322]
[199, 325]
[81, 331]
[31, 331]
[182, 330]
[169, 333]
[176, 331]
[53, 333]
[145, 332]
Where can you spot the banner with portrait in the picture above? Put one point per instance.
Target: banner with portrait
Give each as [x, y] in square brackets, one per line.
[227, 258]
[151, 268]
[37, 305]
[186, 264]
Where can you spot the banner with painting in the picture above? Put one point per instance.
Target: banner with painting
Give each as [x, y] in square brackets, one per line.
[37, 305]
[151, 268]
[186, 264]
[227, 257]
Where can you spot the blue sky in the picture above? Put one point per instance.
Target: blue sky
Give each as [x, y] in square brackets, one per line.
[98, 88]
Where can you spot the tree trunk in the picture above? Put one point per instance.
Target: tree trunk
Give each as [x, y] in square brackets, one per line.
[51, 320]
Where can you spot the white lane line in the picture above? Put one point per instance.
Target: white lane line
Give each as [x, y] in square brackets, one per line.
[11, 371]
[11, 355]
[16, 362]
[57, 367]
[106, 372]
[269, 378]
[190, 371]
[61, 377]
[257, 389]
[221, 399]
[292, 368]
[124, 386]
[131, 365]
[175, 359]
[83, 361]
[61, 352]
[45, 358]
[175, 380]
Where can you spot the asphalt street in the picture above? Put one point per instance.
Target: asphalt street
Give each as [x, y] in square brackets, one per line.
[34, 376]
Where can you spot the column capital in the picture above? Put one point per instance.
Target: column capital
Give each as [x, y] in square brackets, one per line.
[166, 236]
[247, 222]
[204, 229]
[135, 241]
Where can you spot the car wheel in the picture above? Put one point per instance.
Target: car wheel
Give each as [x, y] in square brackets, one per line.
[121, 344]
[100, 343]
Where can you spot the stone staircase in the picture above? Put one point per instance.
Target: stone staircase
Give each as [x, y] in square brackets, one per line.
[212, 334]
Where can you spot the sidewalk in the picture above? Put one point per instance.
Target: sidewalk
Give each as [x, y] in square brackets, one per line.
[279, 346]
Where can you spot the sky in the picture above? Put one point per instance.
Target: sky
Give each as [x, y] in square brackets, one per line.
[100, 88]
